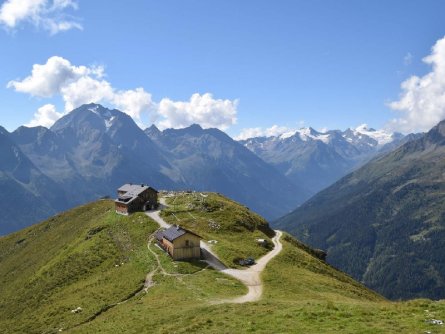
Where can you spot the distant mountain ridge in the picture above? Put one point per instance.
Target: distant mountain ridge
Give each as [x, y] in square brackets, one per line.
[384, 223]
[27, 195]
[315, 160]
[92, 150]
[210, 160]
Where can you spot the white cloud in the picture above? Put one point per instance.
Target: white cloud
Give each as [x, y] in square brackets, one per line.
[247, 133]
[45, 116]
[78, 85]
[422, 101]
[201, 109]
[47, 14]
[274, 130]
[48, 79]
[86, 90]
[135, 102]
[14, 11]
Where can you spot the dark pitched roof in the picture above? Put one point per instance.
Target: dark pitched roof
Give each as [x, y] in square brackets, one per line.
[132, 191]
[159, 235]
[174, 232]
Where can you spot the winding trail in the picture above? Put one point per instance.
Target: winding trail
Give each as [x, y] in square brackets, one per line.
[249, 276]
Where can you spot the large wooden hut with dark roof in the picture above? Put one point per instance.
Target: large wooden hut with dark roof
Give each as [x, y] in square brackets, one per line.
[135, 197]
[179, 243]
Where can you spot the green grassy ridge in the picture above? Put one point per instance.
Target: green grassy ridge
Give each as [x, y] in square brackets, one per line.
[215, 217]
[301, 292]
[75, 259]
[68, 261]
[317, 280]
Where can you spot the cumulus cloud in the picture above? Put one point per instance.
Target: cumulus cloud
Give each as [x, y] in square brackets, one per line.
[86, 90]
[422, 101]
[46, 14]
[48, 79]
[78, 85]
[201, 109]
[45, 116]
[135, 103]
[274, 130]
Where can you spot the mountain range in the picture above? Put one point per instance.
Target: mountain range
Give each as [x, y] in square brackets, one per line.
[384, 223]
[370, 221]
[315, 160]
[91, 151]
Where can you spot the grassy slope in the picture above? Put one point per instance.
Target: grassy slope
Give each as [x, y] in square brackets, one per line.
[301, 292]
[215, 217]
[68, 261]
[71, 260]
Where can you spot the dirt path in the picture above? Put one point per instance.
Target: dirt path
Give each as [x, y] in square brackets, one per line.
[155, 214]
[250, 276]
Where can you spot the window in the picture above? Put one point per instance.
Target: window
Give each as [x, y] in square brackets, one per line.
[187, 243]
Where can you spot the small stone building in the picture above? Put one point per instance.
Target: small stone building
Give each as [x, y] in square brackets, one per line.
[135, 197]
[179, 243]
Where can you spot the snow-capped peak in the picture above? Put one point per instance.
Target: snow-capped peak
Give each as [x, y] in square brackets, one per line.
[360, 135]
[100, 111]
[94, 109]
[381, 136]
[103, 113]
[309, 133]
[364, 128]
[287, 134]
[306, 134]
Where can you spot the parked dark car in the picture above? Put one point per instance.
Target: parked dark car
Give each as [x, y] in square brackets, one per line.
[247, 262]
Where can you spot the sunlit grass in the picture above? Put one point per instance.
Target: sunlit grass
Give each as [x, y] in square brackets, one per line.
[75, 260]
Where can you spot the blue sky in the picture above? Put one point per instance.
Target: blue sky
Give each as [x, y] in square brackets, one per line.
[325, 64]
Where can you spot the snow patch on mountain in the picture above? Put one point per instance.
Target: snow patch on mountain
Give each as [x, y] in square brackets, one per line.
[109, 122]
[381, 136]
[309, 133]
[361, 134]
[94, 109]
[287, 134]
[306, 134]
